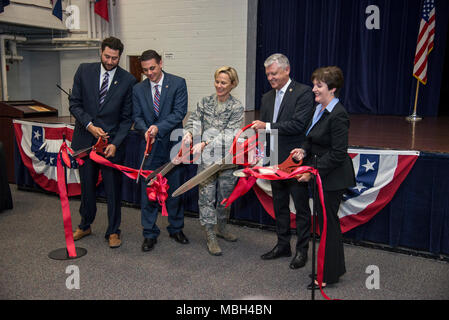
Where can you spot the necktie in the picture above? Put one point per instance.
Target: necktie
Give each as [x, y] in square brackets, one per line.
[277, 105]
[104, 88]
[274, 135]
[156, 100]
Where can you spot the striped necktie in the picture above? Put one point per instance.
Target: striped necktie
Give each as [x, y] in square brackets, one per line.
[156, 100]
[104, 88]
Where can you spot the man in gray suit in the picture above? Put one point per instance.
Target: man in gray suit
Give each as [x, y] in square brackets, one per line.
[286, 110]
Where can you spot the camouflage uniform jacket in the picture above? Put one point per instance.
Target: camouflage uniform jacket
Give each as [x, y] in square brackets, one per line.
[216, 123]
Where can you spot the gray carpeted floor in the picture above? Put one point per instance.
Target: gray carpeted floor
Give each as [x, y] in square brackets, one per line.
[34, 228]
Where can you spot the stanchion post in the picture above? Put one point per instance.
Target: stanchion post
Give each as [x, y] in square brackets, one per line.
[314, 215]
[62, 253]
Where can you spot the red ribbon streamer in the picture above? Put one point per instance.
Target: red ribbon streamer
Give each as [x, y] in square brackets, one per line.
[245, 184]
[62, 190]
[157, 190]
[249, 144]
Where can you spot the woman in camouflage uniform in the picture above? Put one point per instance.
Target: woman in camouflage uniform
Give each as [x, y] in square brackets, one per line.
[213, 124]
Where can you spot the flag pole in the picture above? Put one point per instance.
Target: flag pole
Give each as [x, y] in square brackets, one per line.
[413, 117]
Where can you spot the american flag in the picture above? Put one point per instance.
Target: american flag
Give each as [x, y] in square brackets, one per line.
[425, 40]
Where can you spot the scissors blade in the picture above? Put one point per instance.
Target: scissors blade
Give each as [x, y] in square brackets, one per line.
[146, 153]
[155, 172]
[202, 176]
[196, 180]
[141, 167]
[166, 168]
[81, 153]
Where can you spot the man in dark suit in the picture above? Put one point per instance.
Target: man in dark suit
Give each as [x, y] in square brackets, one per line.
[159, 107]
[284, 113]
[101, 102]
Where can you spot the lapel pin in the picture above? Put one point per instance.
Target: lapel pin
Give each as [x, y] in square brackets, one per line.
[115, 82]
[290, 90]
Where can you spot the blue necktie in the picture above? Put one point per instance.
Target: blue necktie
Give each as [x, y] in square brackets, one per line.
[104, 88]
[156, 100]
[277, 105]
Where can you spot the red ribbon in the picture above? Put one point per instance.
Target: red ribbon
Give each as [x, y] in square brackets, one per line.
[157, 191]
[249, 144]
[245, 184]
[63, 156]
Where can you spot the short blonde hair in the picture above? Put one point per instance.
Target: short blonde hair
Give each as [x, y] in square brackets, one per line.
[231, 72]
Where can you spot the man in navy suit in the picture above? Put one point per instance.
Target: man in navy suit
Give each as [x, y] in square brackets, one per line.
[101, 102]
[287, 109]
[159, 107]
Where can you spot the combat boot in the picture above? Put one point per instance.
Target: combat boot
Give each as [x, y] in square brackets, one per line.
[212, 243]
[223, 231]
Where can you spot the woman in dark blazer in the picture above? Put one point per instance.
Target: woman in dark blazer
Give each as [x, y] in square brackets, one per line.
[327, 139]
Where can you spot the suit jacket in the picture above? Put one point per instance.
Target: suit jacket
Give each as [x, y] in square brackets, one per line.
[295, 112]
[114, 116]
[173, 108]
[328, 140]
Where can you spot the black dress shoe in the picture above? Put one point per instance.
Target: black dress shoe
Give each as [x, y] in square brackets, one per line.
[277, 252]
[298, 261]
[148, 244]
[180, 237]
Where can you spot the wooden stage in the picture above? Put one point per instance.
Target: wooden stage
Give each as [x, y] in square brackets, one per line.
[394, 132]
[373, 131]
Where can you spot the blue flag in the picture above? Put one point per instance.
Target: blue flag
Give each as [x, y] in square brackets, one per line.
[3, 3]
[57, 9]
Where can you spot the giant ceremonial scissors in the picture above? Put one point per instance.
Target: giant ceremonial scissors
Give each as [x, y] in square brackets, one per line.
[227, 162]
[98, 147]
[183, 156]
[147, 152]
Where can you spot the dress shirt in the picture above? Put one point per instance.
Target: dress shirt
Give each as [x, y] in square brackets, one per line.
[318, 112]
[282, 91]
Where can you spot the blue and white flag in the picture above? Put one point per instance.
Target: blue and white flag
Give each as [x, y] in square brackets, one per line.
[57, 9]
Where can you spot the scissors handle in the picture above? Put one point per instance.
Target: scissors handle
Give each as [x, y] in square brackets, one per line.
[148, 148]
[184, 154]
[249, 144]
[290, 164]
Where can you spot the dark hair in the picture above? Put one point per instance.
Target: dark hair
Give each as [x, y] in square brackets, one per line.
[150, 54]
[332, 76]
[113, 43]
